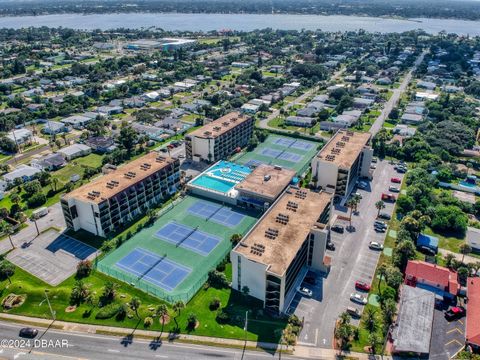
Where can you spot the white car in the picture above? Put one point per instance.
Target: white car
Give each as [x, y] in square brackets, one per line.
[375, 245]
[359, 299]
[305, 291]
[394, 189]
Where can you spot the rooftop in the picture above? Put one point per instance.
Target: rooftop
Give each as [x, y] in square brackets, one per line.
[267, 180]
[344, 148]
[434, 274]
[415, 320]
[120, 179]
[472, 333]
[279, 234]
[220, 125]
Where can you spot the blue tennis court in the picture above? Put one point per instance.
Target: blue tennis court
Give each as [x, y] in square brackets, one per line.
[154, 269]
[216, 213]
[301, 145]
[254, 163]
[188, 238]
[284, 142]
[271, 152]
[72, 246]
[288, 156]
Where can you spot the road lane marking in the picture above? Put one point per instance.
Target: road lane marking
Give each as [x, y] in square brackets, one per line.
[113, 350]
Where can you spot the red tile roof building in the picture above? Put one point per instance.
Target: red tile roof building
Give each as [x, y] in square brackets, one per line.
[472, 333]
[431, 275]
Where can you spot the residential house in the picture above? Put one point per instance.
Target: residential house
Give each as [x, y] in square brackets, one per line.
[54, 127]
[302, 121]
[74, 151]
[49, 162]
[20, 136]
[24, 172]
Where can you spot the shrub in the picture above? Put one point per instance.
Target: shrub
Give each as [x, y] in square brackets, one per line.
[222, 317]
[217, 279]
[192, 320]
[147, 322]
[84, 268]
[6, 269]
[122, 312]
[214, 303]
[109, 311]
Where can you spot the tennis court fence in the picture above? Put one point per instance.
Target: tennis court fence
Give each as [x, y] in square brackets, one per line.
[171, 298]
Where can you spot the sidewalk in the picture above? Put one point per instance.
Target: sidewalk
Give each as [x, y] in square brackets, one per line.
[467, 260]
[301, 351]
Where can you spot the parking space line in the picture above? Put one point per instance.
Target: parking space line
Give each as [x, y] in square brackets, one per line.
[454, 341]
[455, 329]
[461, 322]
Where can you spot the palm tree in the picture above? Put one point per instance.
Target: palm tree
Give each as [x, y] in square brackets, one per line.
[54, 184]
[8, 229]
[465, 249]
[380, 205]
[110, 290]
[161, 312]
[352, 204]
[370, 319]
[177, 307]
[235, 239]
[449, 260]
[382, 273]
[135, 305]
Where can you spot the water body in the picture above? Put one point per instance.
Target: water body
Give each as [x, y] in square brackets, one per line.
[245, 22]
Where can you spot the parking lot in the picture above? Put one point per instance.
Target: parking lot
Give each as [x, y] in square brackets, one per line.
[448, 337]
[51, 256]
[352, 261]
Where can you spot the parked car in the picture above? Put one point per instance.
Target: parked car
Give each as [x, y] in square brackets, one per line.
[354, 312]
[305, 291]
[374, 160]
[388, 197]
[384, 216]
[362, 185]
[401, 170]
[379, 229]
[373, 166]
[394, 189]
[357, 194]
[396, 180]
[359, 299]
[375, 245]
[454, 313]
[338, 228]
[28, 332]
[362, 285]
[380, 223]
[330, 246]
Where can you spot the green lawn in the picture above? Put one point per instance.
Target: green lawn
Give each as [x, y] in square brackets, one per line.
[260, 327]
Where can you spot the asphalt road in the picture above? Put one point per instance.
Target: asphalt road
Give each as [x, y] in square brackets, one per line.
[393, 101]
[351, 261]
[64, 345]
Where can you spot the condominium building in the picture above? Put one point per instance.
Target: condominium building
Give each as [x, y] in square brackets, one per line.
[220, 138]
[275, 255]
[341, 161]
[104, 204]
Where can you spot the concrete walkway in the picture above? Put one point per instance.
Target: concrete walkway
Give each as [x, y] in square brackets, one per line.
[467, 260]
[301, 351]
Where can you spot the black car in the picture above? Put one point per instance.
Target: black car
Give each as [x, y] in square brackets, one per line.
[454, 313]
[28, 332]
[384, 216]
[338, 228]
[330, 246]
[309, 280]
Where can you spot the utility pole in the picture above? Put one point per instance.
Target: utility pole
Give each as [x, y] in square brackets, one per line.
[49, 305]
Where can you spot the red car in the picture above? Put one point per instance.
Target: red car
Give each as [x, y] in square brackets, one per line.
[396, 180]
[455, 312]
[388, 197]
[360, 285]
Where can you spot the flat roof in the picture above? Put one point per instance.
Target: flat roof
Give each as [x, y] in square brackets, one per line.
[344, 148]
[267, 180]
[279, 252]
[220, 125]
[120, 179]
[472, 333]
[415, 320]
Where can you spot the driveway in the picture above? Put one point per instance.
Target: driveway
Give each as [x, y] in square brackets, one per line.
[447, 337]
[351, 261]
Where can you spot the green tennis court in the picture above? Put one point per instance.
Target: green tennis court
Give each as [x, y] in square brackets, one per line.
[287, 152]
[171, 258]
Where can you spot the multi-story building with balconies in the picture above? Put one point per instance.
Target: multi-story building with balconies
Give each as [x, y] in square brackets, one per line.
[275, 255]
[218, 139]
[341, 161]
[105, 204]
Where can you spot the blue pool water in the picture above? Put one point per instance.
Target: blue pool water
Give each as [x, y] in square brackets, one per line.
[467, 184]
[222, 176]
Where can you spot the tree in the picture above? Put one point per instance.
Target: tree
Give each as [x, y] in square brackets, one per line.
[8, 229]
[382, 273]
[394, 277]
[32, 187]
[161, 312]
[147, 322]
[374, 340]
[217, 279]
[352, 204]
[370, 319]
[245, 290]
[235, 239]
[344, 331]
[109, 291]
[403, 252]
[389, 309]
[127, 138]
[80, 292]
[192, 321]
[379, 205]
[177, 307]
[465, 249]
[135, 305]
[7, 270]
[463, 273]
[84, 268]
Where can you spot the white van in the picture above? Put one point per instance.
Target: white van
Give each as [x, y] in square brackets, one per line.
[40, 212]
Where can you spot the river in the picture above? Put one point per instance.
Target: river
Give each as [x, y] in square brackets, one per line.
[245, 22]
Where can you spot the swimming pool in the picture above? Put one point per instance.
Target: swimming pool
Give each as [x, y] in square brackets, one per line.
[222, 176]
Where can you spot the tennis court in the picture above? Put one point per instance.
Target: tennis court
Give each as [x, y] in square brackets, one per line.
[171, 258]
[154, 269]
[284, 151]
[188, 238]
[216, 213]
